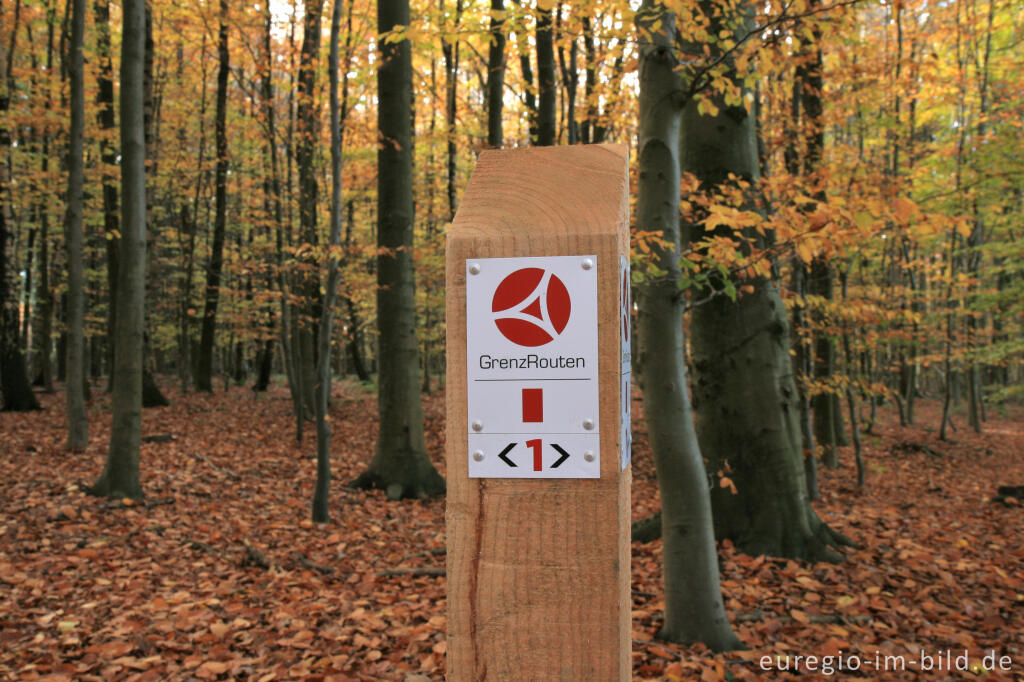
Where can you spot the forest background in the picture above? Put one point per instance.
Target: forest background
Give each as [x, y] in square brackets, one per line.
[885, 204]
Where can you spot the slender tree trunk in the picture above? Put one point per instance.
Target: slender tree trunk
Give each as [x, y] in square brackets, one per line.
[14, 383]
[43, 326]
[570, 83]
[694, 610]
[910, 361]
[851, 399]
[276, 211]
[26, 300]
[355, 335]
[400, 465]
[590, 121]
[355, 323]
[947, 361]
[108, 158]
[975, 378]
[204, 364]
[78, 421]
[323, 370]
[530, 92]
[804, 377]
[450, 50]
[120, 475]
[823, 403]
[496, 74]
[546, 113]
[42, 329]
[808, 85]
[307, 119]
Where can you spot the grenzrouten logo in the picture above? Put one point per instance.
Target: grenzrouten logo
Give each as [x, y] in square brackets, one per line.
[531, 307]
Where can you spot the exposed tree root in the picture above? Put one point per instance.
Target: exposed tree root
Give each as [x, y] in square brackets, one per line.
[821, 546]
[401, 485]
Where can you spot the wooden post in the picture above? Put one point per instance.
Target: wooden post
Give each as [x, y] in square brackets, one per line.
[538, 566]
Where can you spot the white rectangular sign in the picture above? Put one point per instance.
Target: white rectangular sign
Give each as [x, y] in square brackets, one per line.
[532, 367]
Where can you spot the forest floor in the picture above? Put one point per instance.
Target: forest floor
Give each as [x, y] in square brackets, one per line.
[220, 574]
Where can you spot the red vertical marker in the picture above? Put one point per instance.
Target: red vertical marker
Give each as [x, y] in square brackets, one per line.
[533, 405]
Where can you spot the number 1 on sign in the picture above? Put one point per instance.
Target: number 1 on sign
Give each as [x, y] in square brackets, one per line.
[535, 444]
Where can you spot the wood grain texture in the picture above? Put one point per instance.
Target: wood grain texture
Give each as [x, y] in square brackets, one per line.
[538, 570]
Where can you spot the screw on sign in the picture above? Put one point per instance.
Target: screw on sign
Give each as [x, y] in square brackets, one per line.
[532, 307]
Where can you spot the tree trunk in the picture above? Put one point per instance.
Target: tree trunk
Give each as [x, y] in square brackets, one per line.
[14, 383]
[694, 611]
[108, 158]
[43, 327]
[746, 403]
[546, 119]
[204, 363]
[400, 465]
[26, 300]
[308, 134]
[78, 421]
[823, 403]
[808, 86]
[451, 71]
[496, 75]
[355, 325]
[40, 372]
[323, 370]
[152, 396]
[570, 83]
[529, 92]
[355, 322]
[851, 399]
[275, 209]
[747, 420]
[804, 377]
[975, 379]
[589, 133]
[120, 476]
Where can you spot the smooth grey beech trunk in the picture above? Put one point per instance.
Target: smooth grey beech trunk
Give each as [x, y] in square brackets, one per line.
[323, 368]
[745, 398]
[78, 422]
[14, 385]
[694, 611]
[496, 74]
[272, 185]
[400, 464]
[211, 296]
[120, 476]
[546, 113]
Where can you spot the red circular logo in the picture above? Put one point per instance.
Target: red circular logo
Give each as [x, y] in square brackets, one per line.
[531, 307]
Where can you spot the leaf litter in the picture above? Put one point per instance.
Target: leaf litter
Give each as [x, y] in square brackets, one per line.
[219, 574]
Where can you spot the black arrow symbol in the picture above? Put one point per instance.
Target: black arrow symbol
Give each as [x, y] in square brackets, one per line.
[565, 455]
[503, 458]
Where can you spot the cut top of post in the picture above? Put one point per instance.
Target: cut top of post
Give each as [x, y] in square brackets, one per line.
[520, 194]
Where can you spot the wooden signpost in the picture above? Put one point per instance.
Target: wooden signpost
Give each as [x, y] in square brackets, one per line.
[538, 502]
